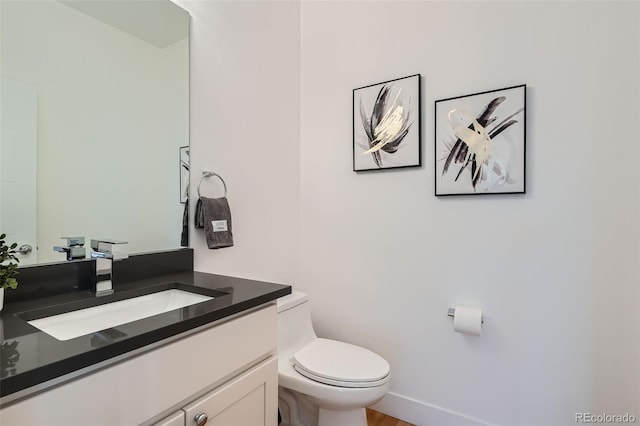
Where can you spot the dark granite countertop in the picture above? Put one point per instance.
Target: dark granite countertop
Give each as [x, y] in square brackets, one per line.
[31, 357]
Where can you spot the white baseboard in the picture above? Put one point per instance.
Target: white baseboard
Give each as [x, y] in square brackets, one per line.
[423, 414]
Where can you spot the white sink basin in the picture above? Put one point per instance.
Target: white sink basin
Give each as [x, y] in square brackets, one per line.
[85, 321]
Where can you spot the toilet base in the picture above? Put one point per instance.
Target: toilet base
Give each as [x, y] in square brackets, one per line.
[296, 409]
[299, 410]
[356, 417]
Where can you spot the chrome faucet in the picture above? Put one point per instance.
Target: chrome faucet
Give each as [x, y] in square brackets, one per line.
[105, 256]
[74, 248]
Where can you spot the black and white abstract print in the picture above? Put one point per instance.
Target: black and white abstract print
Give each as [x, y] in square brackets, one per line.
[480, 143]
[386, 124]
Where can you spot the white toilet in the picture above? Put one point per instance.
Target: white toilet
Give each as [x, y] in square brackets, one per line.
[323, 382]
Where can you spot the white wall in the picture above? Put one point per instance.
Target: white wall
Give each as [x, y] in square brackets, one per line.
[245, 126]
[108, 134]
[555, 270]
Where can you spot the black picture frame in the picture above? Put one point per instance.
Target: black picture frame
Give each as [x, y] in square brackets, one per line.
[491, 125]
[386, 119]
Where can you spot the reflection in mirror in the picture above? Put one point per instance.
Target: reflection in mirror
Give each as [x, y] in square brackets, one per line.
[9, 357]
[94, 112]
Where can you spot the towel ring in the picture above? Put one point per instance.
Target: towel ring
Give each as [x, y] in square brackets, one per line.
[206, 174]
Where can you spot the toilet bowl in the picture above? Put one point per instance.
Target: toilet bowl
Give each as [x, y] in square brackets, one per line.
[323, 382]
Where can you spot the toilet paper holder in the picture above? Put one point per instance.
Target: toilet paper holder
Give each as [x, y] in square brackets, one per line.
[452, 313]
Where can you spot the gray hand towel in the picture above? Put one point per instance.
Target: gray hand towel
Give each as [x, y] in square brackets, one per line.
[216, 216]
[198, 217]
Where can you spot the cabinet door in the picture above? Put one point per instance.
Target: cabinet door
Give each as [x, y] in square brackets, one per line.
[250, 399]
[176, 419]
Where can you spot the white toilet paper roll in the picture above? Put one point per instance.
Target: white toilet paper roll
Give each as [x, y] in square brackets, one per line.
[468, 320]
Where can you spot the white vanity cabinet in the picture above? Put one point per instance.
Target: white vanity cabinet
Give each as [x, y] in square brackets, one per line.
[227, 372]
[245, 400]
[176, 419]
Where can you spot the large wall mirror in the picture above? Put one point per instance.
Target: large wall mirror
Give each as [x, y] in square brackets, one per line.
[94, 121]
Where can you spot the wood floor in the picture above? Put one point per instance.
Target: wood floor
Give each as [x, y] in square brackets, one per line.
[375, 418]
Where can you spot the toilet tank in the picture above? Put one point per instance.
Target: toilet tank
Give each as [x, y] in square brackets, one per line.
[295, 330]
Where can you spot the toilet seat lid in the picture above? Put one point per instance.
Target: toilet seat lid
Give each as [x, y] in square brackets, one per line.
[340, 364]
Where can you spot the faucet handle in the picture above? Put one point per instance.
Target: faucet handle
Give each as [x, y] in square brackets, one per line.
[104, 248]
[74, 241]
[74, 248]
[105, 244]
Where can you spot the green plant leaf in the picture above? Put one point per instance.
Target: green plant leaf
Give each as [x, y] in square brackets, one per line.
[8, 264]
[12, 283]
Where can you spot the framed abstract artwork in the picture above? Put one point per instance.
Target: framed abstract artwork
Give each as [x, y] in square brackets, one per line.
[480, 143]
[386, 125]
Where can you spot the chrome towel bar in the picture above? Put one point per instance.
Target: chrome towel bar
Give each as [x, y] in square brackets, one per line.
[206, 174]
